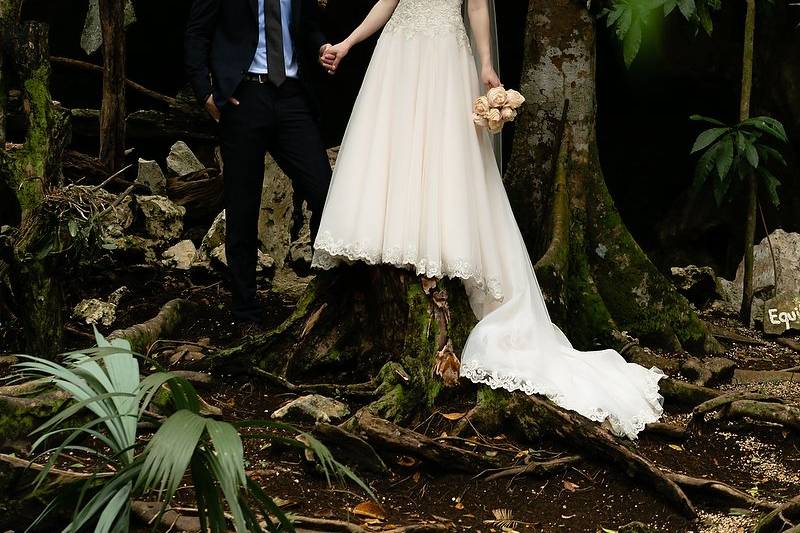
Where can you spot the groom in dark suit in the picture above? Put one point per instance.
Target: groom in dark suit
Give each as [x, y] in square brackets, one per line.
[247, 61]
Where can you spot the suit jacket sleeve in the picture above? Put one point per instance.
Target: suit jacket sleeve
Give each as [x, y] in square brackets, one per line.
[197, 45]
[313, 31]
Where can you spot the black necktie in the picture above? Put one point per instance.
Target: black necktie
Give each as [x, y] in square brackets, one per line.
[274, 29]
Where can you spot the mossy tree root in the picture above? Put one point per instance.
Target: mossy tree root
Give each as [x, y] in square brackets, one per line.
[382, 322]
[142, 336]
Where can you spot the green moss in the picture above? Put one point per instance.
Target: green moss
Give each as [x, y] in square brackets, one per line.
[19, 417]
[640, 299]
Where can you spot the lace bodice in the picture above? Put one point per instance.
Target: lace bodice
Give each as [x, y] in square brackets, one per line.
[428, 17]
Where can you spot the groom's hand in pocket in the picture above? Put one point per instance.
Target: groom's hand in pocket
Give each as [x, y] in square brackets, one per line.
[212, 108]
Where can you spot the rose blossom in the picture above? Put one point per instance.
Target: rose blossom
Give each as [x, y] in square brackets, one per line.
[508, 114]
[480, 120]
[482, 105]
[514, 99]
[497, 97]
[496, 126]
[493, 115]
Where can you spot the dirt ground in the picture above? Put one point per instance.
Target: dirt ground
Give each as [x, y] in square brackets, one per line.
[588, 497]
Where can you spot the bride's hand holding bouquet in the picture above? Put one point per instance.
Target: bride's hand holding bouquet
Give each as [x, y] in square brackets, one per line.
[496, 107]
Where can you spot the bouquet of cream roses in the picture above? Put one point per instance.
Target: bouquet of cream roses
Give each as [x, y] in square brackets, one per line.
[496, 108]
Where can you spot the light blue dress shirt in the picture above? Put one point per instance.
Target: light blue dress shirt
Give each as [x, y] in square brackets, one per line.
[259, 64]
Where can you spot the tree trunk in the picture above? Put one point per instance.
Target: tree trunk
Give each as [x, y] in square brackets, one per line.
[112, 111]
[29, 170]
[595, 276]
[752, 183]
[363, 323]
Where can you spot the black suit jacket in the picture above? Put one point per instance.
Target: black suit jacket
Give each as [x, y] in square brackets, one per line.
[222, 37]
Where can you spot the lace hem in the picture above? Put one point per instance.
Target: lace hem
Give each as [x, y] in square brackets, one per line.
[475, 372]
[329, 254]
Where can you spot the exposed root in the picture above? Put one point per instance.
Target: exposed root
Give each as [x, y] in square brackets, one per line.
[353, 390]
[723, 401]
[538, 414]
[335, 526]
[681, 394]
[141, 336]
[719, 491]
[669, 431]
[758, 407]
[785, 415]
[539, 468]
[386, 435]
[350, 448]
[785, 518]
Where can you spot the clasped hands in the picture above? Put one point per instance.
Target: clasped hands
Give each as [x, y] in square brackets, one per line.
[330, 55]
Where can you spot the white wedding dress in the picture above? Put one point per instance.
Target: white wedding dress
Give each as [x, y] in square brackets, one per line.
[416, 185]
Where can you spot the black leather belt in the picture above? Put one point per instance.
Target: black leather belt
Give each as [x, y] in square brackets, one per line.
[258, 78]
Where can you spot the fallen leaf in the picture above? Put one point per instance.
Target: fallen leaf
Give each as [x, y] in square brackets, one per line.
[407, 462]
[570, 486]
[454, 416]
[459, 506]
[369, 509]
[428, 284]
[416, 477]
[312, 320]
[676, 447]
[447, 365]
[567, 517]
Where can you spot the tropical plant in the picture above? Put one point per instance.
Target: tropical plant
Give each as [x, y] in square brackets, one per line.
[106, 382]
[629, 18]
[733, 153]
[741, 149]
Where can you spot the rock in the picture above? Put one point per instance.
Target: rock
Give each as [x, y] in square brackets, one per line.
[94, 311]
[698, 284]
[314, 408]
[277, 209]
[722, 309]
[151, 176]
[163, 219]
[694, 369]
[133, 248]
[288, 285]
[721, 369]
[782, 314]
[214, 238]
[734, 300]
[118, 219]
[787, 258]
[265, 262]
[216, 233]
[218, 254]
[182, 161]
[118, 295]
[181, 256]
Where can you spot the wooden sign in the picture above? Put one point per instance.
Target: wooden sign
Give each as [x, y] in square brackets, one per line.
[782, 314]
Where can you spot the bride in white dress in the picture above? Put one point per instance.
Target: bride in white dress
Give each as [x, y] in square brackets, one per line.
[416, 185]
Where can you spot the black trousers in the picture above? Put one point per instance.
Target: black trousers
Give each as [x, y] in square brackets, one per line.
[278, 120]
